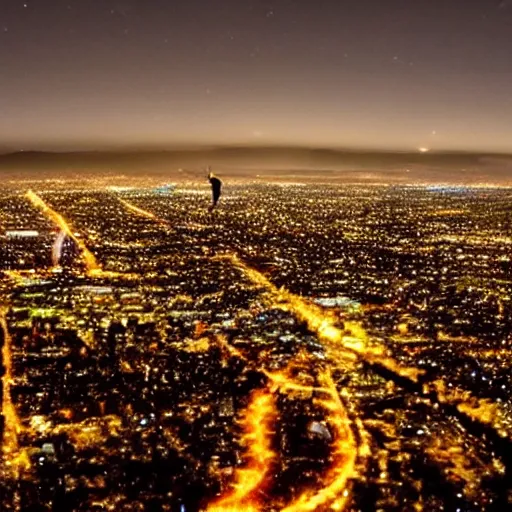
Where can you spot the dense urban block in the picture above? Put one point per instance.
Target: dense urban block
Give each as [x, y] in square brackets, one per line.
[300, 348]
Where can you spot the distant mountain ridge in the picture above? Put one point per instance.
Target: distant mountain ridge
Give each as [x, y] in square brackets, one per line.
[244, 161]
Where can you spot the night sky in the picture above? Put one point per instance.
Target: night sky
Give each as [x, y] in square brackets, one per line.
[392, 74]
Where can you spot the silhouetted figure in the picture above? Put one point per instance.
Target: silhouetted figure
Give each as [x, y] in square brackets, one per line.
[216, 189]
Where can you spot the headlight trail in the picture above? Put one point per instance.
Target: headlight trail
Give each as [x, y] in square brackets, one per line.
[335, 482]
[13, 461]
[88, 257]
[344, 449]
[258, 429]
[481, 410]
[143, 213]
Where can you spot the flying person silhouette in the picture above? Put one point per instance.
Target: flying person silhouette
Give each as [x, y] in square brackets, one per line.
[216, 184]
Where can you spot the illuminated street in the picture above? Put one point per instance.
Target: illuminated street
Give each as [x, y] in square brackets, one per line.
[90, 260]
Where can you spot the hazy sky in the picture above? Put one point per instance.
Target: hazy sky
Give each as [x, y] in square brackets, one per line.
[373, 73]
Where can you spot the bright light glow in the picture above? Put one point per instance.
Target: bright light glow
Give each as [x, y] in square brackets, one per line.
[57, 248]
[22, 233]
[258, 422]
[339, 344]
[344, 455]
[89, 259]
[14, 461]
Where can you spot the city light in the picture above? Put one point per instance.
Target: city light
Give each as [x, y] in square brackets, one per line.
[38, 202]
[344, 456]
[297, 349]
[11, 460]
[258, 423]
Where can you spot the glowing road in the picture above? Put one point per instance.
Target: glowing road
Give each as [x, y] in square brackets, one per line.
[12, 463]
[89, 259]
[344, 455]
[258, 423]
[143, 213]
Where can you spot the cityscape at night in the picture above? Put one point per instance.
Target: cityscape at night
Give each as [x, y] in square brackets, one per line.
[299, 348]
[255, 256]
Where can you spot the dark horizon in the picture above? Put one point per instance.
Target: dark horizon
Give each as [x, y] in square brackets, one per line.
[191, 148]
[265, 163]
[59, 149]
